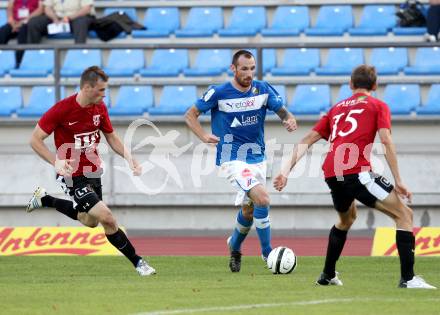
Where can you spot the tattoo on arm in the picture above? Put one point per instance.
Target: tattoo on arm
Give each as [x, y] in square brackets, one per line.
[283, 113]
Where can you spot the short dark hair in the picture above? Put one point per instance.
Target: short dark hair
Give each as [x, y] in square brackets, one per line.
[91, 75]
[241, 52]
[364, 77]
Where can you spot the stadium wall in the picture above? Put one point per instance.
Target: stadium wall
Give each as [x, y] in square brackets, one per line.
[195, 197]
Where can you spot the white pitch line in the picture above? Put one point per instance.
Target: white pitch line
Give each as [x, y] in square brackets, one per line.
[269, 305]
[244, 307]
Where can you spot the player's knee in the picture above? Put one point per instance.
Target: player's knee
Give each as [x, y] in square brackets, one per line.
[406, 214]
[108, 220]
[262, 200]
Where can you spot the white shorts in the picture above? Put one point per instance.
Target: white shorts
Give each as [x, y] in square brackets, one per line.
[244, 177]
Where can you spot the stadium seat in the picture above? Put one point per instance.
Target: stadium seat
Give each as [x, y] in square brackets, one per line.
[124, 62]
[132, 100]
[41, 99]
[3, 17]
[351, 57]
[375, 20]
[245, 21]
[79, 59]
[432, 105]
[159, 22]
[427, 62]
[10, 99]
[35, 63]
[175, 100]
[298, 61]
[389, 60]
[166, 63]
[332, 20]
[210, 62]
[402, 98]
[202, 22]
[7, 63]
[344, 92]
[407, 31]
[288, 21]
[310, 99]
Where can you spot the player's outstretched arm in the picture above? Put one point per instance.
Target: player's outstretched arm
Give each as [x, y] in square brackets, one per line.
[391, 157]
[192, 120]
[298, 152]
[116, 144]
[287, 118]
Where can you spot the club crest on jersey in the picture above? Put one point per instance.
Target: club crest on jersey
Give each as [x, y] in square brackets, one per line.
[255, 91]
[96, 120]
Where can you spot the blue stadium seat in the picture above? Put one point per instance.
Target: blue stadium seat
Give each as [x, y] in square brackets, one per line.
[288, 21]
[332, 20]
[245, 21]
[132, 100]
[210, 62]
[10, 99]
[159, 22]
[124, 62]
[35, 63]
[166, 63]
[7, 63]
[202, 22]
[406, 31]
[131, 12]
[432, 105]
[375, 20]
[41, 99]
[427, 62]
[298, 61]
[79, 59]
[3, 17]
[344, 92]
[402, 98]
[175, 100]
[351, 57]
[310, 99]
[389, 60]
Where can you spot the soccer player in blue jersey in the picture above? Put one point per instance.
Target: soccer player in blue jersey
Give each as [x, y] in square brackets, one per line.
[238, 110]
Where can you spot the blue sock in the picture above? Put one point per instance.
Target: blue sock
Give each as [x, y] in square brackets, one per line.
[262, 223]
[241, 230]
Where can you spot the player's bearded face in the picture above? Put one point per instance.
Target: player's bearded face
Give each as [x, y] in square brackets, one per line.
[244, 71]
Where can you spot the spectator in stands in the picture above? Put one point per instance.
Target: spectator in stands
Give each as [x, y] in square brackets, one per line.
[351, 126]
[19, 13]
[433, 21]
[78, 13]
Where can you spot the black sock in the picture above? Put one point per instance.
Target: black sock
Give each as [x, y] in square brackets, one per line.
[336, 241]
[123, 244]
[405, 242]
[62, 205]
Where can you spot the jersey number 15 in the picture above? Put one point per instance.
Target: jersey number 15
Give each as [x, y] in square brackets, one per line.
[349, 119]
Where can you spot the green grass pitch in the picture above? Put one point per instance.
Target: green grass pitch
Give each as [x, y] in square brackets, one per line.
[204, 285]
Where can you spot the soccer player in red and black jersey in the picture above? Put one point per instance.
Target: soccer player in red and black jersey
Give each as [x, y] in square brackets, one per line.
[351, 126]
[77, 122]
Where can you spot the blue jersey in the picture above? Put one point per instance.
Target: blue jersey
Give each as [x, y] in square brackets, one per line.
[237, 118]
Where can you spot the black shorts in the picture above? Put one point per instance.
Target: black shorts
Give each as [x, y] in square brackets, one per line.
[85, 192]
[367, 187]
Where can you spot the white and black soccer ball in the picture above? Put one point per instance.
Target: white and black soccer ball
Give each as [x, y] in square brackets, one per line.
[281, 260]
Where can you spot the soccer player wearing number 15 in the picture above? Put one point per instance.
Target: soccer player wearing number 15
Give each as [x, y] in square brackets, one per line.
[351, 126]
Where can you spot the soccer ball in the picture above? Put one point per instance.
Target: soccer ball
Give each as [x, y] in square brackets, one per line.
[281, 260]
